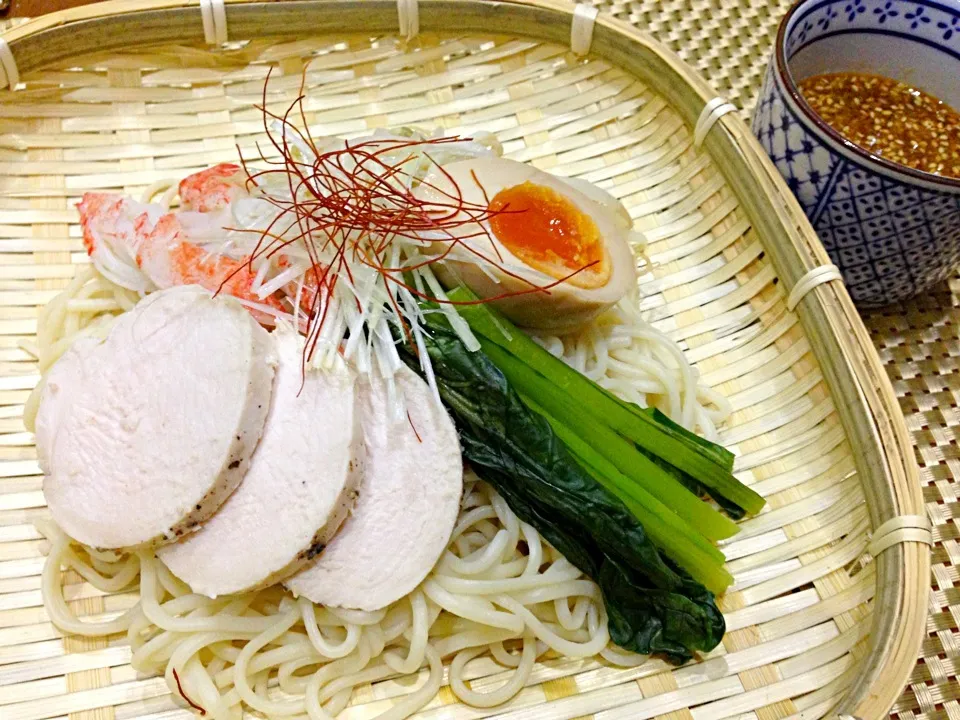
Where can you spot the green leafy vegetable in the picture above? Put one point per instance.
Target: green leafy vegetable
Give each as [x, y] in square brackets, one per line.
[534, 369]
[621, 453]
[719, 454]
[732, 509]
[670, 534]
[652, 605]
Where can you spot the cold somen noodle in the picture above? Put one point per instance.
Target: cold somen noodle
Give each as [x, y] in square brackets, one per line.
[498, 599]
[281, 656]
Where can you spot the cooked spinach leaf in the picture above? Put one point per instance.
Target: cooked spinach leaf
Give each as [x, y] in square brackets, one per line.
[653, 606]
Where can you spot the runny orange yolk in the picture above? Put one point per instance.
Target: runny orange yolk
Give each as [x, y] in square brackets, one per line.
[548, 232]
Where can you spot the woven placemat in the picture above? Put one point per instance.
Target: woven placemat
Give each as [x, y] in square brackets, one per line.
[727, 41]
[919, 343]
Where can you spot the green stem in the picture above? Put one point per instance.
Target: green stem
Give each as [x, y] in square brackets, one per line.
[682, 543]
[665, 440]
[627, 459]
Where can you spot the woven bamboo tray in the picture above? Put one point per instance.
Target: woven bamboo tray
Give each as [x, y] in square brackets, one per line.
[119, 95]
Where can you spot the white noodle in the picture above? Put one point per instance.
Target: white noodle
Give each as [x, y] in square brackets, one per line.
[244, 650]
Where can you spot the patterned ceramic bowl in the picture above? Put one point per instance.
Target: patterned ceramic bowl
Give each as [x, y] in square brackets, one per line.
[892, 230]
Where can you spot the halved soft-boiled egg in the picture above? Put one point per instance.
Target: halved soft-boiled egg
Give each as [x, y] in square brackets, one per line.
[552, 253]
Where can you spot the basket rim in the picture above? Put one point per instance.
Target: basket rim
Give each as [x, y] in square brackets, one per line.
[853, 372]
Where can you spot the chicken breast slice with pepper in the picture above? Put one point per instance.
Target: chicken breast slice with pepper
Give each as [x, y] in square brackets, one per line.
[302, 482]
[148, 432]
[408, 504]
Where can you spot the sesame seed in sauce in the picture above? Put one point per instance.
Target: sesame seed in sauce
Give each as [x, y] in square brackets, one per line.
[888, 118]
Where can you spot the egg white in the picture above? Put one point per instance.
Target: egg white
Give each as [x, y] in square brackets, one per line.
[486, 266]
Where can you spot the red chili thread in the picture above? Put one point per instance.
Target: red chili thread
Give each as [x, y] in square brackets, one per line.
[190, 702]
[413, 427]
[343, 201]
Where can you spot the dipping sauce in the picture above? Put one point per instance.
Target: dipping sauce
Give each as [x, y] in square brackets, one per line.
[888, 118]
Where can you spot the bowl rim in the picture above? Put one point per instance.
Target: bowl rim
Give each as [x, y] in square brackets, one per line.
[782, 69]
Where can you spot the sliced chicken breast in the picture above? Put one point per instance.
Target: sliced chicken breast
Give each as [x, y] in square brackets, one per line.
[154, 427]
[408, 504]
[302, 482]
[65, 376]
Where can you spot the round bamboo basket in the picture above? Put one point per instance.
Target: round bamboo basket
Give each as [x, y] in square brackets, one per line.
[122, 94]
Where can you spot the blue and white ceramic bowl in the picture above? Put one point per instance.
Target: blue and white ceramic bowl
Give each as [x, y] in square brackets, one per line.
[893, 231]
